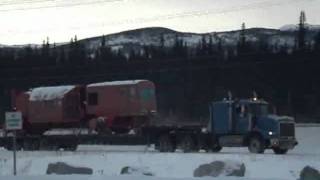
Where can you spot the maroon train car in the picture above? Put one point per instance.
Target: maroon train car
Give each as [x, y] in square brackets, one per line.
[50, 107]
[119, 105]
[20, 101]
[122, 104]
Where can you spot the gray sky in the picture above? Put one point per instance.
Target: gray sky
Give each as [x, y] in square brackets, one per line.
[31, 21]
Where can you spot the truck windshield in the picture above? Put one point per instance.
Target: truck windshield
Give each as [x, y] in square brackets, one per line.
[259, 109]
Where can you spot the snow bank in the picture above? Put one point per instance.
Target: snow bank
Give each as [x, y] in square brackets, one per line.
[85, 177]
[116, 83]
[49, 93]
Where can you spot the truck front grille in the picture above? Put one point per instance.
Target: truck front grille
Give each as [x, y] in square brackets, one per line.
[287, 129]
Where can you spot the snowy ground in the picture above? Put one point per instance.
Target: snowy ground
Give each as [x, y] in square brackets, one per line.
[108, 163]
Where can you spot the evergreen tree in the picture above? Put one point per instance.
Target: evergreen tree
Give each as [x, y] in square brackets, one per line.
[162, 50]
[176, 47]
[210, 45]
[104, 52]
[263, 46]
[146, 52]
[62, 56]
[219, 46]
[28, 54]
[242, 44]
[45, 51]
[302, 31]
[132, 55]
[203, 45]
[317, 42]
[55, 53]
[198, 49]
[103, 41]
[77, 52]
[243, 35]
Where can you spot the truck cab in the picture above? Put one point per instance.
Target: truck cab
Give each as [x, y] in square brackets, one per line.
[247, 122]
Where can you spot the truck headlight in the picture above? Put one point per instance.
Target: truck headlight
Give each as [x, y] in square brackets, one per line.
[270, 133]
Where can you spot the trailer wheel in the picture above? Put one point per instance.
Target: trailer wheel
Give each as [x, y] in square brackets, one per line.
[166, 144]
[27, 146]
[280, 151]
[256, 145]
[187, 144]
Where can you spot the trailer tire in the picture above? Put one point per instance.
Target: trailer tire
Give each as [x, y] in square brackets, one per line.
[280, 151]
[166, 144]
[187, 144]
[256, 145]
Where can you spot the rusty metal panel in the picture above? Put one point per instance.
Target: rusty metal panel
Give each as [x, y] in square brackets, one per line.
[121, 99]
[64, 109]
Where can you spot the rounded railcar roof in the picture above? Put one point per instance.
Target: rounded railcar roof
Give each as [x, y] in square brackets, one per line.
[49, 93]
[118, 83]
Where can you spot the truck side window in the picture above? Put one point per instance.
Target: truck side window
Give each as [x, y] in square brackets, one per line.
[92, 99]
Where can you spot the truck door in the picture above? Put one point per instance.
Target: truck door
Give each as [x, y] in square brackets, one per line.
[241, 119]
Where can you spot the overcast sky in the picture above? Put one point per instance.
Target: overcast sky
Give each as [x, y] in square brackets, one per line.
[31, 21]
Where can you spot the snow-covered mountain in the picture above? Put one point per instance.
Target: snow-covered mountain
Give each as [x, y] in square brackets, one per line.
[152, 36]
[138, 38]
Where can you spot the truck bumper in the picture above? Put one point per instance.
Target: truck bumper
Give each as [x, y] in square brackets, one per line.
[283, 143]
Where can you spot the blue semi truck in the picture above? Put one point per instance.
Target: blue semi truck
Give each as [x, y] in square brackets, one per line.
[232, 123]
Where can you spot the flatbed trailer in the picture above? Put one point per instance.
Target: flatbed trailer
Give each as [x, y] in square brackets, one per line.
[165, 139]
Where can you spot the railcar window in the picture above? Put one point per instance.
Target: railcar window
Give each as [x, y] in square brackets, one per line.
[93, 99]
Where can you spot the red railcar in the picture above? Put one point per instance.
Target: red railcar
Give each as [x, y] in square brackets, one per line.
[123, 104]
[20, 101]
[118, 105]
[49, 107]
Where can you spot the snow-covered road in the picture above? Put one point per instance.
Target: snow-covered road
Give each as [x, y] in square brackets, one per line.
[173, 165]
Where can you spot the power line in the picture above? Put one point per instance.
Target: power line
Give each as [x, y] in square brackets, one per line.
[10, 3]
[61, 5]
[188, 14]
[251, 6]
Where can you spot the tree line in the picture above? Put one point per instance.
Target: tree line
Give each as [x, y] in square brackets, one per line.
[187, 79]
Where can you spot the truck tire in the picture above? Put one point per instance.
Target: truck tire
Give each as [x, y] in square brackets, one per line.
[280, 151]
[256, 145]
[216, 148]
[166, 144]
[187, 144]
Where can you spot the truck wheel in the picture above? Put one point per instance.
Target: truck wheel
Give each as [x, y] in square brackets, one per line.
[187, 144]
[280, 151]
[256, 145]
[166, 144]
[216, 148]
